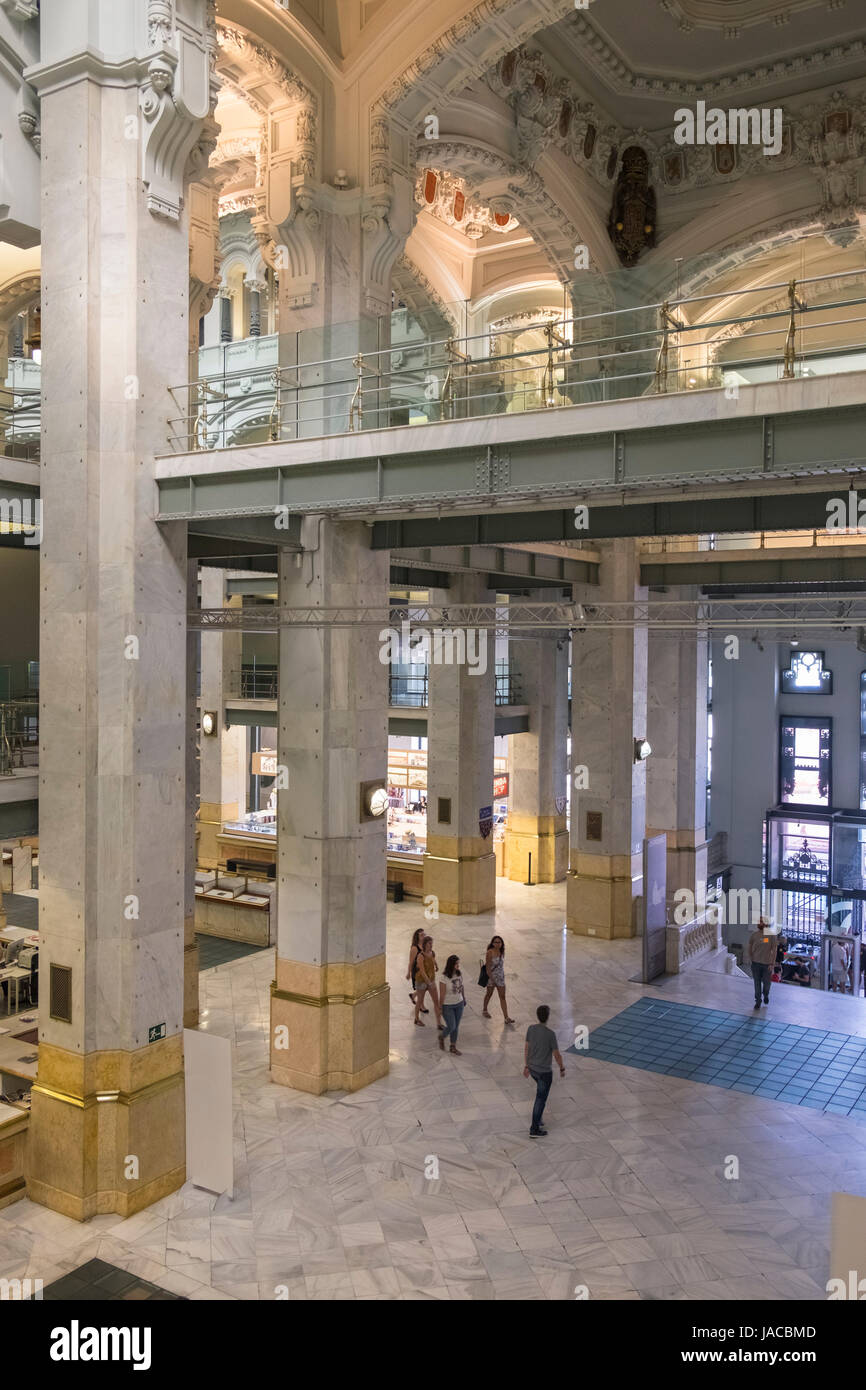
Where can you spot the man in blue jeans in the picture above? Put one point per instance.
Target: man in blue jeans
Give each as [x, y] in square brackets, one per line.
[540, 1048]
[760, 953]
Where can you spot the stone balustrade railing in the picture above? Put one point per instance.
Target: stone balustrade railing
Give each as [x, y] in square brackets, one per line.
[694, 939]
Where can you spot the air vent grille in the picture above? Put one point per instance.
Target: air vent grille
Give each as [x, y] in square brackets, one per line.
[60, 1007]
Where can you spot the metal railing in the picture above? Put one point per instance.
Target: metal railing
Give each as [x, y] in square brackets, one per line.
[676, 345]
[20, 422]
[412, 692]
[259, 683]
[508, 688]
[19, 736]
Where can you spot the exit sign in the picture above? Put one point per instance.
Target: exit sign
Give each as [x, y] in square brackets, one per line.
[156, 1032]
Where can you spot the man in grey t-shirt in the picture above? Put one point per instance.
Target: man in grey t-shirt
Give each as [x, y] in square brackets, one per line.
[539, 1050]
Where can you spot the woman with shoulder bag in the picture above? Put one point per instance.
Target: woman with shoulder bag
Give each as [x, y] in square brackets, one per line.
[494, 964]
[414, 953]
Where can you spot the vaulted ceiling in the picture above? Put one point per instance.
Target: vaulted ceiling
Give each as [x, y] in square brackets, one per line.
[625, 68]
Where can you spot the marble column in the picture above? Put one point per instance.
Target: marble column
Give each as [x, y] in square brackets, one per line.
[107, 1130]
[608, 794]
[538, 766]
[256, 288]
[677, 768]
[333, 249]
[460, 863]
[225, 318]
[222, 753]
[329, 1002]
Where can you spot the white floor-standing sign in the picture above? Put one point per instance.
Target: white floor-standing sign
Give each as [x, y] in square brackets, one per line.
[209, 1152]
[848, 1247]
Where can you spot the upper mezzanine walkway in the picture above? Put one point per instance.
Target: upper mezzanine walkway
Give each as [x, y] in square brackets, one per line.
[455, 428]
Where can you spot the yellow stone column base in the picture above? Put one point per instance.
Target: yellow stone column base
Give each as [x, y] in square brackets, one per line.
[686, 863]
[329, 1025]
[546, 839]
[190, 976]
[460, 873]
[602, 893]
[91, 1115]
[212, 817]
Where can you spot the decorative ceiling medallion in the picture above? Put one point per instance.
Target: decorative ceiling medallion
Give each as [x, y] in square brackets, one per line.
[608, 63]
[444, 195]
[725, 158]
[731, 16]
[673, 169]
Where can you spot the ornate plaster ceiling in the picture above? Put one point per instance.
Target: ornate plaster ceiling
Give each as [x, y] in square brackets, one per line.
[640, 61]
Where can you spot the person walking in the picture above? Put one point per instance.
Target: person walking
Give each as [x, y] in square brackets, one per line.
[494, 964]
[539, 1050]
[414, 952]
[760, 953]
[452, 1002]
[425, 981]
[838, 967]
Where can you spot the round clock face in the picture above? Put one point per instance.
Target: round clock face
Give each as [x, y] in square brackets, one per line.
[207, 723]
[378, 801]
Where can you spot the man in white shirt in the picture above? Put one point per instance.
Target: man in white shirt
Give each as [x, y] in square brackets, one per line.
[838, 967]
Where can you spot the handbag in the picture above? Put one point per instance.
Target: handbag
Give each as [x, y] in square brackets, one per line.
[482, 978]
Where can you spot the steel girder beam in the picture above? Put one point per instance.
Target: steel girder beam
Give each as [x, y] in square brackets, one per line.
[814, 566]
[771, 434]
[701, 515]
[526, 567]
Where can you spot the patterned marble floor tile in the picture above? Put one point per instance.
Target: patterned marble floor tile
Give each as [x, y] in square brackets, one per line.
[626, 1195]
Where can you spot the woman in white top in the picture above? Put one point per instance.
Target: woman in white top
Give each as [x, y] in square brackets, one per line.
[452, 1001]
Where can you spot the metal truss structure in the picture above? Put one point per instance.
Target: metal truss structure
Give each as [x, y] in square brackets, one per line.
[787, 614]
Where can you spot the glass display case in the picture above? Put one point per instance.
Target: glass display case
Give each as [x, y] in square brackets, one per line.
[256, 823]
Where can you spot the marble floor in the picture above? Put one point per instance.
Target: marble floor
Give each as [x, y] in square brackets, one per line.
[337, 1196]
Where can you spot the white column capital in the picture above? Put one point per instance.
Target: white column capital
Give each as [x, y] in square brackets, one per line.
[168, 54]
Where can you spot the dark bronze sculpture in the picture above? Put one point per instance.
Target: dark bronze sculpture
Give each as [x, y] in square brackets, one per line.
[632, 222]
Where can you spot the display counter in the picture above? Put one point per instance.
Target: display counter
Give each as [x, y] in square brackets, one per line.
[234, 907]
[253, 847]
[407, 831]
[408, 869]
[14, 1120]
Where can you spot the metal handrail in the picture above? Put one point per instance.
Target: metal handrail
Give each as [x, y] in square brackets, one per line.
[338, 403]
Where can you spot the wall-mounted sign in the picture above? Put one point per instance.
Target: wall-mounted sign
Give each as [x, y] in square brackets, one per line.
[155, 1033]
[264, 764]
[500, 786]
